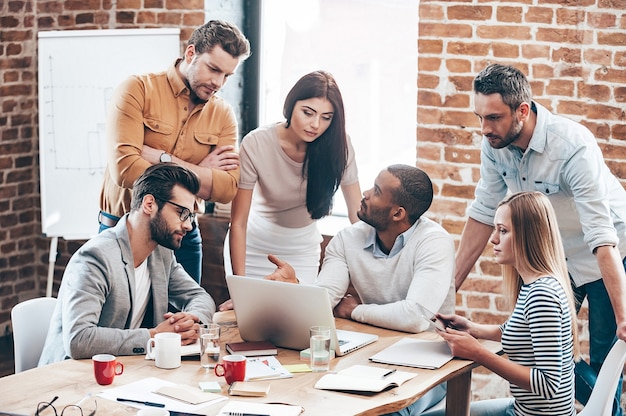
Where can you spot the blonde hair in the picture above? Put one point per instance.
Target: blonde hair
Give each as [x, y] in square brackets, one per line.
[538, 248]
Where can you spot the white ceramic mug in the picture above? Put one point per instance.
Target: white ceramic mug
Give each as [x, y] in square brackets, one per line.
[165, 349]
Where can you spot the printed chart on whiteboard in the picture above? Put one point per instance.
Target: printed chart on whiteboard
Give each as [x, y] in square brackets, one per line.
[78, 71]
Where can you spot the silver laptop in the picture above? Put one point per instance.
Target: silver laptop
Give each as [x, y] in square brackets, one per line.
[282, 313]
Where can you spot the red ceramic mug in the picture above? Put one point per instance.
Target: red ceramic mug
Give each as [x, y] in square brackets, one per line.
[105, 368]
[233, 368]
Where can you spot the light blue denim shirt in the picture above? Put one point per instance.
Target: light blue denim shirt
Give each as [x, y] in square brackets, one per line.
[398, 244]
[564, 162]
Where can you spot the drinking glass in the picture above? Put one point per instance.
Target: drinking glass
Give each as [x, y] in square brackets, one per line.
[209, 335]
[320, 348]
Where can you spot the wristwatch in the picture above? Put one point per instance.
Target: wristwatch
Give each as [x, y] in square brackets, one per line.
[165, 157]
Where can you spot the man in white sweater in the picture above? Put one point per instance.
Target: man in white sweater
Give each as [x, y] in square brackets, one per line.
[379, 268]
[376, 270]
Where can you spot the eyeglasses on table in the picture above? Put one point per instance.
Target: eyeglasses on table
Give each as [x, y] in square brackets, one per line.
[86, 407]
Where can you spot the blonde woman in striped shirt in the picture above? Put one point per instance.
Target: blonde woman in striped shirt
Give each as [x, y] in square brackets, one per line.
[540, 336]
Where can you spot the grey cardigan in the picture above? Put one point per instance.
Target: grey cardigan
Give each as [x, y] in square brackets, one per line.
[95, 304]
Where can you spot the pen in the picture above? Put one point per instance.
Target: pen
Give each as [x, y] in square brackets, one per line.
[245, 414]
[388, 373]
[119, 399]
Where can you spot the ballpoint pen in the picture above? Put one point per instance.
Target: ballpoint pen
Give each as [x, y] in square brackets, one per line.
[119, 399]
[388, 373]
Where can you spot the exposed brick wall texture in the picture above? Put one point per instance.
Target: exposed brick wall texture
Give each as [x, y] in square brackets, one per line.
[574, 53]
[23, 248]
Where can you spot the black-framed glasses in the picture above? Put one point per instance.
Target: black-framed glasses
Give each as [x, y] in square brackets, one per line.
[185, 213]
[48, 409]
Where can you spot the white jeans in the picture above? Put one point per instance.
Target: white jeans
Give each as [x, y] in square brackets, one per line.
[299, 247]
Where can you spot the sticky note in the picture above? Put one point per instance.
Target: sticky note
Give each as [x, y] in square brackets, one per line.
[210, 386]
[305, 354]
[297, 368]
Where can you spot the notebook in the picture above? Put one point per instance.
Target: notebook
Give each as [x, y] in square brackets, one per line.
[282, 314]
[363, 378]
[413, 352]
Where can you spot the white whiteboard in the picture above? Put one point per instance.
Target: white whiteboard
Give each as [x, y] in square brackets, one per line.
[78, 70]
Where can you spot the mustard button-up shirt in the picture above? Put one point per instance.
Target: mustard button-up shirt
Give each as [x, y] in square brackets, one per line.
[153, 109]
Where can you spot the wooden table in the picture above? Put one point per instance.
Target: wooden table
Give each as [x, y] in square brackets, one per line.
[73, 379]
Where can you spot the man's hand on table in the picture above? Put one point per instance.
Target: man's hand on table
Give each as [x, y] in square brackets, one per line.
[345, 307]
[182, 323]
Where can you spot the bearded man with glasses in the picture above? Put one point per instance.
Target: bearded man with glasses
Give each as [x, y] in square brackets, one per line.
[116, 288]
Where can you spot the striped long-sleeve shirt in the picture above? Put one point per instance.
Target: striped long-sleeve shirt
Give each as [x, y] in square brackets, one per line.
[538, 335]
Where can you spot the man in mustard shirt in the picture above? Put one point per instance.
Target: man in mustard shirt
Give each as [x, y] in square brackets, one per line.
[175, 116]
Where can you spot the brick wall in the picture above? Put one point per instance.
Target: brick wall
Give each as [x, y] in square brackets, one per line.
[23, 249]
[574, 53]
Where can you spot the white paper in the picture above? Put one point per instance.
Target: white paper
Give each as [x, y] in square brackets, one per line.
[143, 390]
[377, 373]
[415, 353]
[265, 368]
[185, 350]
[240, 407]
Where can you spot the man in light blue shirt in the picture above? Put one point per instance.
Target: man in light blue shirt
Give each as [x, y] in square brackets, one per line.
[525, 148]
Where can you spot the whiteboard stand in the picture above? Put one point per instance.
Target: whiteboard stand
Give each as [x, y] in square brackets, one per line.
[51, 261]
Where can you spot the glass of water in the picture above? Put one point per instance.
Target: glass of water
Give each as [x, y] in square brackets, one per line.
[209, 335]
[320, 348]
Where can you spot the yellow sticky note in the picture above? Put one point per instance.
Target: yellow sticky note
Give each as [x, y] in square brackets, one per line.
[297, 368]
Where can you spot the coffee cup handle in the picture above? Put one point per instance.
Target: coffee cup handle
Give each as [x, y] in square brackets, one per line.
[119, 368]
[221, 367]
[149, 348]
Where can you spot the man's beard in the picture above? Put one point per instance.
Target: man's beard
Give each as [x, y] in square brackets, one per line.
[379, 219]
[161, 234]
[512, 135]
[194, 86]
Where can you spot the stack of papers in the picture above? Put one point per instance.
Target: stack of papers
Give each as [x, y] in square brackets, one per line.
[413, 352]
[175, 397]
[249, 388]
[190, 350]
[265, 368]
